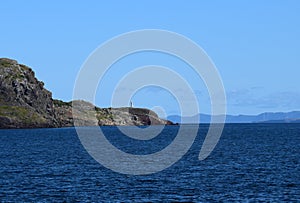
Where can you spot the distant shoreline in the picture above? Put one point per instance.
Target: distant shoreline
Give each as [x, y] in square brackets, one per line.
[271, 117]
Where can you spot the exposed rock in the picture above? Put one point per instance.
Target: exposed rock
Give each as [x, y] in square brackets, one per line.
[25, 103]
[84, 113]
[87, 114]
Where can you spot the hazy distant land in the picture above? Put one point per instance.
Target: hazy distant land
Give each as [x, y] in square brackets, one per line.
[269, 117]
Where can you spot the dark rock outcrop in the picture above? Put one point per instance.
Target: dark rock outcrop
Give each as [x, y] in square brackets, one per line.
[25, 103]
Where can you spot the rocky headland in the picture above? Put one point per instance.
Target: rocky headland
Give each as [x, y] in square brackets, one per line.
[25, 103]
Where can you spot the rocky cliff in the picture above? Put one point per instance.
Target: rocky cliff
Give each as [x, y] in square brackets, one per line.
[25, 103]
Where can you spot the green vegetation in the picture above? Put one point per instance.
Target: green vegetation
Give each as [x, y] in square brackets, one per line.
[5, 63]
[16, 76]
[61, 103]
[20, 113]
[105, 117]
[25, 67]
[103, 113]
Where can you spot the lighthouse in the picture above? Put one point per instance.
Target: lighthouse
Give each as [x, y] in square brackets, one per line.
[131, 104]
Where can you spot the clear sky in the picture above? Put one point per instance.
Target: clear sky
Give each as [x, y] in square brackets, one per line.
[254, 44]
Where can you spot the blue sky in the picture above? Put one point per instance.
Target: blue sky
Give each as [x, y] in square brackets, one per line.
[254, 44]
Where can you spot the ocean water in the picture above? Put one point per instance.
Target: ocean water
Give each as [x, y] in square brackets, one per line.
[252, 162]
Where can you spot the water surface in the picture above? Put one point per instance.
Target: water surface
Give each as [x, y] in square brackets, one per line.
[252, 162]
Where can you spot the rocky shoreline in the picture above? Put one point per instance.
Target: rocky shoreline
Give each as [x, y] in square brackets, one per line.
[25, 103]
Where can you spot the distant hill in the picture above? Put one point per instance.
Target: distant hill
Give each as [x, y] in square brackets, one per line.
[269, 117]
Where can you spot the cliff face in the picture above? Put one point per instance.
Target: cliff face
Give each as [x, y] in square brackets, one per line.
[25, 103]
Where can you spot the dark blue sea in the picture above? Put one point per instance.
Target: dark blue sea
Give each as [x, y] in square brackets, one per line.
[251, 163]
